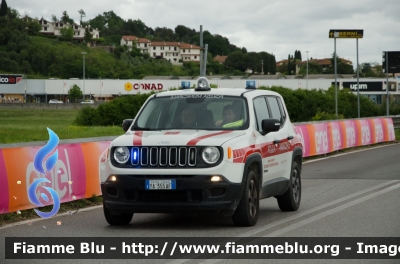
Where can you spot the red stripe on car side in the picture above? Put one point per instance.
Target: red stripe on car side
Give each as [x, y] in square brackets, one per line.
[194, 141]
[267, 149]
[137, 138]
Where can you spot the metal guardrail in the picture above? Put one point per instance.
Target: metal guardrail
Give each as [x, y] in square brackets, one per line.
[396, 122]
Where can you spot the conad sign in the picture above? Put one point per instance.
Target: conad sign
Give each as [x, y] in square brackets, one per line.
[10, 79]
[76, 173]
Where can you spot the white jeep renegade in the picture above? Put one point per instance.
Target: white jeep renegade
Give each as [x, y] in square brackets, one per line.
[203, 150]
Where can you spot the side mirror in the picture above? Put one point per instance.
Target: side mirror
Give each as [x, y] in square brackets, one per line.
[270, 125]
[126, 124]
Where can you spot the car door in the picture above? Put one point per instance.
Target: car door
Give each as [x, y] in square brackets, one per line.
[283, 136]
[270, 160]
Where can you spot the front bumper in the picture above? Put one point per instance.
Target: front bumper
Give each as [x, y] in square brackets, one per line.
[194, 193]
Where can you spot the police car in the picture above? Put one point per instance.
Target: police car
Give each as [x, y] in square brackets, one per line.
[203, 150]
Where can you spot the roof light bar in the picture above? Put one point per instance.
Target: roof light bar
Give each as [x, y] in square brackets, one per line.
[251, 85]
[185, 85]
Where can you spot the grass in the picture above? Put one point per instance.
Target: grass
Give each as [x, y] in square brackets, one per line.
[397, 133]
[70, 207]
[27, 125]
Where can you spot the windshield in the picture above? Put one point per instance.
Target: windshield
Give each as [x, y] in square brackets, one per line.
[198, 111]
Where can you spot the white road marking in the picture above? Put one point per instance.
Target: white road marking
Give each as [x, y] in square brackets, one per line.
[319, 216]
[310, 211]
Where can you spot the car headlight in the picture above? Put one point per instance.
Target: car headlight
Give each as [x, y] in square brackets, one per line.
[121, 155]
[211, 155]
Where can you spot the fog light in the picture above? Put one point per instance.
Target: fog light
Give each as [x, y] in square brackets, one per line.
[216, 178]
[112, 178]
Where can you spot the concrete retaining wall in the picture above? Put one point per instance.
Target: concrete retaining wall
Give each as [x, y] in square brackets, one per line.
[46, 105]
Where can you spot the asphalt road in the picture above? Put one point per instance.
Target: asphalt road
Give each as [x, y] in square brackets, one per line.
[348, 195]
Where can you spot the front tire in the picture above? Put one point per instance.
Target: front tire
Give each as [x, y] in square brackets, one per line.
[246, 214]
[122, 219]
[290, 200]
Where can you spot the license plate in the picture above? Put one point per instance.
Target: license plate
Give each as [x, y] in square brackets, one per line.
[160, 185]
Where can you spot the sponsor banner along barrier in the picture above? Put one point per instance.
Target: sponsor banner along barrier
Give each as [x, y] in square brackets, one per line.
[74, 176]
[325, 137]
[76, 172]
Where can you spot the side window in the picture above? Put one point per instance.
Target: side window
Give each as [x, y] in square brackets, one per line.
[261, 110]
[282, 109]
[275, 110]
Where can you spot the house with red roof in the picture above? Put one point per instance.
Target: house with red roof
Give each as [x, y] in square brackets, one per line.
[174, 52]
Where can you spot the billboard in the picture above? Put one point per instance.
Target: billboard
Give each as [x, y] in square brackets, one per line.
[366, 86]
[10, 79]
[393, 61]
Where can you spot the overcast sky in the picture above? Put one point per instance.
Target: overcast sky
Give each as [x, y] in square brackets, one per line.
[278, 27]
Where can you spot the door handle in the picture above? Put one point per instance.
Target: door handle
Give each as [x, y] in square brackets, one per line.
[290, 137]
[276, 141]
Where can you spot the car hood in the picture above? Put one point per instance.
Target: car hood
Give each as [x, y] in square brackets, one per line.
[176, 138]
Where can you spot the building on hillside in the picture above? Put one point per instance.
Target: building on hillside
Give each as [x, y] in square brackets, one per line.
[51, 28]
[174, 52]
[220, 59]
[280, 63]
[190, 52]
[142, 43]
[325, 63]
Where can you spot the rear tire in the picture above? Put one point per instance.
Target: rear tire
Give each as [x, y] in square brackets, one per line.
[290, 200]
[246, 213]
[122, 219]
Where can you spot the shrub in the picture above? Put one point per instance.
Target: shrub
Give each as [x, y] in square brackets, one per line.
[86, 116]
[113, 112]
[320, 116]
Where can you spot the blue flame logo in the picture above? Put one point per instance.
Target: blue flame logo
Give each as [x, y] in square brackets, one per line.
[49, 164]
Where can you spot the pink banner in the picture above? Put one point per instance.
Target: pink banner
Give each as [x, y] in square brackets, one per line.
[74, 176]
[324, 137]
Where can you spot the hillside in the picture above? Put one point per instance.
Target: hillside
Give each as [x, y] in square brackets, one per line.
[23, 50]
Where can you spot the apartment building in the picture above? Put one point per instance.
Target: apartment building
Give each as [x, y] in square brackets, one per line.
[174, 52]
[51, 28]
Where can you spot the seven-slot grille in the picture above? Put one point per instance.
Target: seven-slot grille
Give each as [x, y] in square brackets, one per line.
[163, 156]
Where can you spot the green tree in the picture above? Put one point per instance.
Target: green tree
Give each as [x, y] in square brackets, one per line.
[165, 34]
[236, 60]
[183, 31]
[146, 55]
[370, 70]
[67, 33]
[253, 61]
[66, 19]
[33, 28]
[81, 14]
[98, 22]
[135, 27]
[297, 55]
[13, 14]
[75, 92]
[88, 37]
[341, 67]
[136, 52]
[3, 8]
[272, 64]
[54, 19]
[313, 68]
